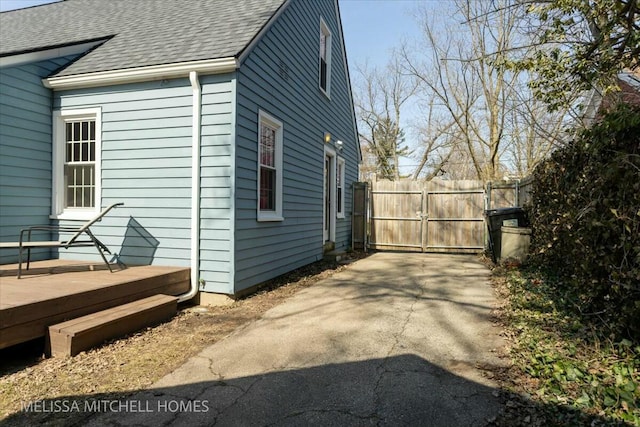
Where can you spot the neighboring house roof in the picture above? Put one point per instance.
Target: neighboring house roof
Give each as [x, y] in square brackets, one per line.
[629, 87]
[596, 105]
[137, 33]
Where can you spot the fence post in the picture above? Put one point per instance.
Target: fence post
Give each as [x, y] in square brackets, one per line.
[424, 218]
[359, 219]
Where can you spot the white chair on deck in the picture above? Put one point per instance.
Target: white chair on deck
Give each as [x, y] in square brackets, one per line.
[75, 240]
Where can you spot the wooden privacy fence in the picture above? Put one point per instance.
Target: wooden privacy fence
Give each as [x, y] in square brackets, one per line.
[432, 216]
[508, 194]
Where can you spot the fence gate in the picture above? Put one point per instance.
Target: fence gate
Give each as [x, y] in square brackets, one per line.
[435, 216]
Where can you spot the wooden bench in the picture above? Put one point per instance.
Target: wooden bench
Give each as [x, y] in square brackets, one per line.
[73, 336]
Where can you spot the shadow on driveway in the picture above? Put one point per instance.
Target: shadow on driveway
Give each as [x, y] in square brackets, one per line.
[403, 390]
[400, 390]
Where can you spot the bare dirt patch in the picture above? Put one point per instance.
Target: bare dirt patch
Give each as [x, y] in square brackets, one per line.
[140, 359]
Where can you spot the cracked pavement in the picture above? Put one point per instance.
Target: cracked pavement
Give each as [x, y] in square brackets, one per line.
[395, 339]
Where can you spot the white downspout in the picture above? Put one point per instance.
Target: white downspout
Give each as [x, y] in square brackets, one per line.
[195, 187]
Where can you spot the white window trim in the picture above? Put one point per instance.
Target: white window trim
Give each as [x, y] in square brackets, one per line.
[58, 210]
[328, 151]
[275, 215]
[324, 29]
[340, 174]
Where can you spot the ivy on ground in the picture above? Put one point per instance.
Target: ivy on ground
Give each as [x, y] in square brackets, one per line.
[575, 374]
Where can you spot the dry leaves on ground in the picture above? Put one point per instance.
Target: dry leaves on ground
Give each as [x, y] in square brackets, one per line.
[137, 361]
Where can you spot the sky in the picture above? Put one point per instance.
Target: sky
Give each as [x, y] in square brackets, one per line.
[372, 28]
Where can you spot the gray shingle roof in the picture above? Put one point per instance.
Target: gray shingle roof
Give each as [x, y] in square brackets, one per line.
[140, 32]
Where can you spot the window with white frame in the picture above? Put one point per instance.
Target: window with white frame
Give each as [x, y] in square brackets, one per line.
[269, 168]
[340, 188]
[76, 168]
[325, 58]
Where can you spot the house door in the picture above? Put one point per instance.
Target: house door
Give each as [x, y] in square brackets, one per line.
[329, 197]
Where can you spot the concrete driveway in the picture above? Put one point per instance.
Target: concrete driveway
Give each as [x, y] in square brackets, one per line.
[395, 339]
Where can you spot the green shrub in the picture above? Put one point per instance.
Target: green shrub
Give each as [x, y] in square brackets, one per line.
[586, 220]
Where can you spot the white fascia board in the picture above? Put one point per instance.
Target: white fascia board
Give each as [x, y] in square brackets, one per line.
[140, 74]
[348, 78]
[43, 55]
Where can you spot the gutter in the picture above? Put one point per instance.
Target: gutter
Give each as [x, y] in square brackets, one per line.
[195, 186]
[141, 74]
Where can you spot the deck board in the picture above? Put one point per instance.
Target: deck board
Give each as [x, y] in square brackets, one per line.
[56, 290]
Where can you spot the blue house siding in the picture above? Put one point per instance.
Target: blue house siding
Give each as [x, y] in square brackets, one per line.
[146, 163]
[339, 112]
[216, 183]
[25, 152]
[280, 77]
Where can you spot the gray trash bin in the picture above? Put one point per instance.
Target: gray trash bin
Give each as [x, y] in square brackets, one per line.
[496, 219]
[515, 242]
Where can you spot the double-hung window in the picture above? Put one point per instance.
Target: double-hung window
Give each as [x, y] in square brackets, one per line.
[76, 168]
[325, 58]
[269, 168]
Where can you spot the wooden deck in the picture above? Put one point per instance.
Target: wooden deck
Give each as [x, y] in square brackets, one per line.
[54, 291]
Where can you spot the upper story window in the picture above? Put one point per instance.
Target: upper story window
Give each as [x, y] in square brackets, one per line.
[325, 58]
[76, 168]
[269, 168]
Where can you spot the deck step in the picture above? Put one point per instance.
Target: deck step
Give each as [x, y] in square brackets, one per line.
[73, 336]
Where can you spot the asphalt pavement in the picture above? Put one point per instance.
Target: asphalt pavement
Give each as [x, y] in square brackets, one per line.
[395, 339]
